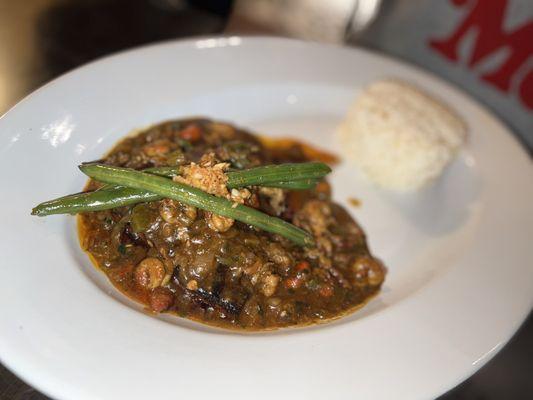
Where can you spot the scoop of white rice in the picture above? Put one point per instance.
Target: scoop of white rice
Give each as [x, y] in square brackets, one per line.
[399, 136]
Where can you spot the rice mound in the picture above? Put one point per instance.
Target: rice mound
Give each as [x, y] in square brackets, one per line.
[399, 136]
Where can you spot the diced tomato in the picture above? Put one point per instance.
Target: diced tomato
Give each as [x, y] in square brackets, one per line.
[192, 133]
[293, 283]
[326, 291]
[302, 266]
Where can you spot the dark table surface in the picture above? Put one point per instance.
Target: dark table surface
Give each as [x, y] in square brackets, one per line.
[40, 39]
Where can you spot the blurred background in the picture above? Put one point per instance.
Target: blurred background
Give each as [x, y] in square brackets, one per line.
[483, 46]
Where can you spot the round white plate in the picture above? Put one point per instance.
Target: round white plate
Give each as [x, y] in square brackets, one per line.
[459, 253]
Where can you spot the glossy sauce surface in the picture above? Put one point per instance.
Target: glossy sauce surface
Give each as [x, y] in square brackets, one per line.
[174, 258]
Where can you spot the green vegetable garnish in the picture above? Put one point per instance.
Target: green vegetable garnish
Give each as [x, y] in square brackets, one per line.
[286, 176]
[197, 198]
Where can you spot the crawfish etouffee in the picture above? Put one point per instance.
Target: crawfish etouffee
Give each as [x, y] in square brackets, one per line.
[177, 258]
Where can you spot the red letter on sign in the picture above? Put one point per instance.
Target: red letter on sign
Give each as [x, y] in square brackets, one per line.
[487, 18]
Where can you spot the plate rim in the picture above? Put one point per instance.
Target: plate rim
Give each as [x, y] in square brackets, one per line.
[249, 39]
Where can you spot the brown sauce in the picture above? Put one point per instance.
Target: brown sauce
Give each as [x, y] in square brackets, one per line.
[174, 259]
[355, 202]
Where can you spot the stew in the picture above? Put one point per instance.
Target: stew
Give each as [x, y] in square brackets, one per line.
[176, 258]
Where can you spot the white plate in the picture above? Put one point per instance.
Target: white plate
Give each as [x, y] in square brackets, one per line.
[459, 253]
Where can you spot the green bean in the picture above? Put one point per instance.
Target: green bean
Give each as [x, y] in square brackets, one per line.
[167, 172]
[110, 196]
[101, 199]
[285, 176]
[105, 198]
[197, 198]
[273, 174]
[303, 184]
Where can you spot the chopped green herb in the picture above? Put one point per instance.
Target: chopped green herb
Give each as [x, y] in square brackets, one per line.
[176, 157]
[184, 144]
[312, 284]
[141, 216]
[122, 249]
